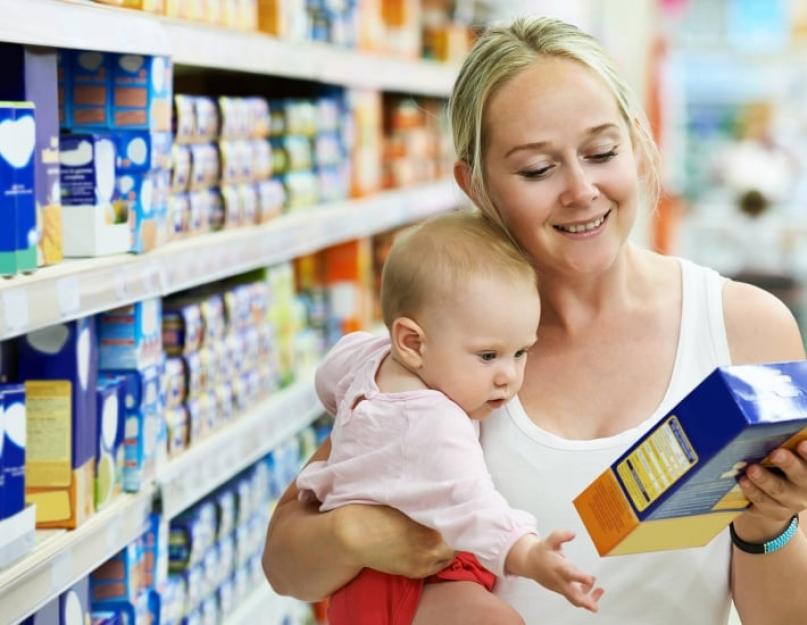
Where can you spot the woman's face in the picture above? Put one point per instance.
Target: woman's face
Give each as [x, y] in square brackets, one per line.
[560, 166]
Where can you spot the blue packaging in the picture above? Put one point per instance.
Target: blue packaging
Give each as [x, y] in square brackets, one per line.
[130, 337]
[18, 251]
[132, 612]
[74, 604]
[12, 449]
[120, 577]
[86, 84]
[141, 92]
[46, 615]
[143, 151]
[67, 351]
[676, 487]
[111, 397]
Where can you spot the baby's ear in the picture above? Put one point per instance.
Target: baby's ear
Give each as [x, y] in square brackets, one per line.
[407, 339]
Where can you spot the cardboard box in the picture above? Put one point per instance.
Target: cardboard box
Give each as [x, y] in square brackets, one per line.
[74, 604]
[12, 449]
[60, 366]
[111, 395]
[676, 487]
[85, 89]
[131, 337]
[17, 206]
[30, 73]
[96, 222]
[120, 577]
[141, 97]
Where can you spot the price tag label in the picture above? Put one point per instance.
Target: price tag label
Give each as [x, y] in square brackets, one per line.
[15, 310]
[69, 296]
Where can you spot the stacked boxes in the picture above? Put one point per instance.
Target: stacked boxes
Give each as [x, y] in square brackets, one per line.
[117, 111]
[59, 366]
[130, 346]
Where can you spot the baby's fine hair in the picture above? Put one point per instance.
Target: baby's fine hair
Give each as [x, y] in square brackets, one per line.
[431, 261]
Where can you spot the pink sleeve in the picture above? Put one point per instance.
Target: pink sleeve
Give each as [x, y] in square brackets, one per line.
[445, 485]
[334, 374]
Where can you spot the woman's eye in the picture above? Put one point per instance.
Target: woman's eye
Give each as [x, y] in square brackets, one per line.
[603, 156]
[536, 173]
[487, 356]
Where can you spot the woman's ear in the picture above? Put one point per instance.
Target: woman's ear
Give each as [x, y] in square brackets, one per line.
[407, 339]
[462, 174]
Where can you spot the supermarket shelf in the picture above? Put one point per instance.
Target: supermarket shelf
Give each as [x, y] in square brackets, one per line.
[263, 606]
[43, 22]
[77, 288]
[205, 46]
[81, 24]
[62, 557]
[204, 467]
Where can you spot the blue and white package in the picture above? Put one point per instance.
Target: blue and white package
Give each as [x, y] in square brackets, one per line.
[12, 449]
[130, 337]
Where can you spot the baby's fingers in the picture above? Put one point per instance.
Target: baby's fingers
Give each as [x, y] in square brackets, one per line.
[582, 596]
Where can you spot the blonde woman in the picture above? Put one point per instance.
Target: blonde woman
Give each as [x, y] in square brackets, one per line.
[552, 145]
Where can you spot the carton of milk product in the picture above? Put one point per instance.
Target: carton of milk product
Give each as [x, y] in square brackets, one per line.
[131, 337]
[141, 92]
[17, 206]
[86, 89]
[60, 366]
[95, 221]
[676, 487]
[12, 449]
[30, 73]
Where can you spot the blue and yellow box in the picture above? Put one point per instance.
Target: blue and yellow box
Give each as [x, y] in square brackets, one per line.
[676, 487]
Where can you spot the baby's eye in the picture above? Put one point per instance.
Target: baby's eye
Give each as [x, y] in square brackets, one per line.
[487, 356]
[521, 353]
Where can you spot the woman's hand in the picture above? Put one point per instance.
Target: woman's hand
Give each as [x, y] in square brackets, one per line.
[775, 497]
[385, 539]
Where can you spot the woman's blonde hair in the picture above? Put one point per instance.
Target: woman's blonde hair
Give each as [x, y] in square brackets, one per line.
[504, 51]
[433, 261]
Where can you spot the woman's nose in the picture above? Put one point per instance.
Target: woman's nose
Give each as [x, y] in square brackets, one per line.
[580, 190]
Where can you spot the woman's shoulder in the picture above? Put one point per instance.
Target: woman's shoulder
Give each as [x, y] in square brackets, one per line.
[759, 327]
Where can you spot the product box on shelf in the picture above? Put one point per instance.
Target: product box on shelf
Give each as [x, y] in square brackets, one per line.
[74, 604]
[141, 92]
[12, 449]
[130, 337]
[18, 251]
[96, 222]
[85, 89]
[676, 487]
[59, 365]
[31, 74]
[120, 577]
[111, 395]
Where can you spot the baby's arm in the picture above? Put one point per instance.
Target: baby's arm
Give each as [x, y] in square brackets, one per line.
[445, 485]
[543, 561]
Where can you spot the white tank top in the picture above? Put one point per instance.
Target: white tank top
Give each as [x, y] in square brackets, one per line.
[542, 473]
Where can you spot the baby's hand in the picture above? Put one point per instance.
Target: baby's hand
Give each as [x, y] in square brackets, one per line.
[543, 561]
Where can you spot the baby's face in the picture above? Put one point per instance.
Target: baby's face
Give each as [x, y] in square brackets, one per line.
[476, 342]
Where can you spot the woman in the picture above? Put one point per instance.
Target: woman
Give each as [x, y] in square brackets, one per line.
[552, 146]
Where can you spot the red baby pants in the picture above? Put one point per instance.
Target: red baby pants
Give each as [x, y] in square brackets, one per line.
[374, 598]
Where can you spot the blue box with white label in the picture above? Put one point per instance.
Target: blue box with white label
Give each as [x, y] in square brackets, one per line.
[85, 88]
[12, 449]
[18, 251]
[111, 400]
[676, 487]
[131, 337]
[74, 604]
[141, 92]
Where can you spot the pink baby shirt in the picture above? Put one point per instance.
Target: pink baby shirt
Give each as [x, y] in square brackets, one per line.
[416, 451]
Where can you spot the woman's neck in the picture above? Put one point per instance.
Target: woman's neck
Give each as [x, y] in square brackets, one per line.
[573, 304]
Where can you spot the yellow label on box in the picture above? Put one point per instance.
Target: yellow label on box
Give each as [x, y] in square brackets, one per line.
[50, 435]
[655, 465]
[606, 512]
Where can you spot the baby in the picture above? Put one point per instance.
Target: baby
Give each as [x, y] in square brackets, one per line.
[462, 309]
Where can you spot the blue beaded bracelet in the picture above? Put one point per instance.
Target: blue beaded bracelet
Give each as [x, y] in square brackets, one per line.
[774, 544]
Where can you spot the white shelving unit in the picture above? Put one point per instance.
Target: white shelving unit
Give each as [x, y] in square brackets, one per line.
[82, 287]
[206, 466]
[46, 22]
[76, 288]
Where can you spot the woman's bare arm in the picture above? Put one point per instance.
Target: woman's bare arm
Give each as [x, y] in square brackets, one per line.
[309, 554]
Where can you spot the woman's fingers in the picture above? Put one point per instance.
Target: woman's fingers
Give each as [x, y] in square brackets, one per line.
[760, 488]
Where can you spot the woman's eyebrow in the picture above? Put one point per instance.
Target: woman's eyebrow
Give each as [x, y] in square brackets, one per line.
[539, 145]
